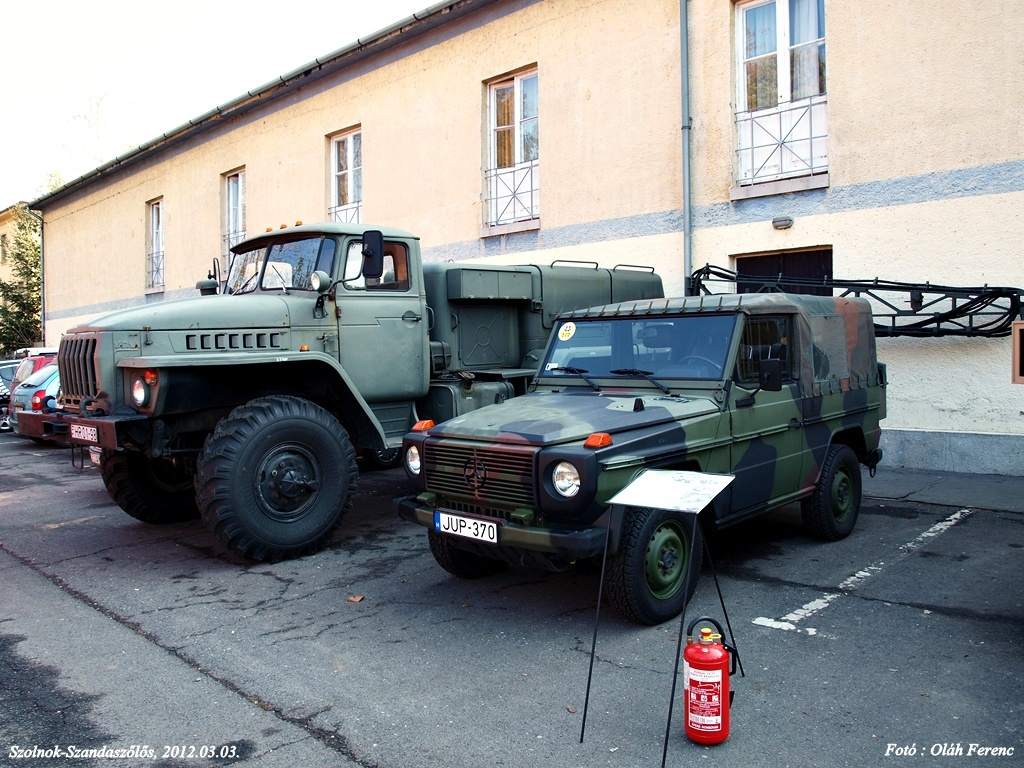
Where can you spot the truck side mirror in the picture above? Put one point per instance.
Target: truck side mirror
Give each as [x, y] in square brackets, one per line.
[373, 253]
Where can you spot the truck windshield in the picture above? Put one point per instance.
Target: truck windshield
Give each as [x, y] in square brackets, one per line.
[280, 266]
[684, 347]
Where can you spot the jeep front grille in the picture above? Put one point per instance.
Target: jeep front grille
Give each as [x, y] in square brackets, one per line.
[77, 362]
[493, 477]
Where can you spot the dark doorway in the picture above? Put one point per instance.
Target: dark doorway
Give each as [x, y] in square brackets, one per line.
[803, 268]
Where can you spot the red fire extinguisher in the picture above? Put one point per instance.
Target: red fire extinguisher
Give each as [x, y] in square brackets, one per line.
[706, 691]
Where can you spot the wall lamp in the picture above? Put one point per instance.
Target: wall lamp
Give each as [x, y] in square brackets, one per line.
[782, 222]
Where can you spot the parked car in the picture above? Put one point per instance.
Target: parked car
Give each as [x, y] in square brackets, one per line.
[7, 369]
[33, 393]
[30, 365]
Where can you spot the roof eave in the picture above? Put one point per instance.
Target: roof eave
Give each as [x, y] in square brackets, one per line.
[389, 37]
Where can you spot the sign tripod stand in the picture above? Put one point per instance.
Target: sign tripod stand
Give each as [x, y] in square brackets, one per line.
[693, 491]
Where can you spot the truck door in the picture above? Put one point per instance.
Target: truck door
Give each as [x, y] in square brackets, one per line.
[766, 427]
[382, 327]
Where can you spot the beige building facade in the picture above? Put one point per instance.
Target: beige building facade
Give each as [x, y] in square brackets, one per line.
[664, 133]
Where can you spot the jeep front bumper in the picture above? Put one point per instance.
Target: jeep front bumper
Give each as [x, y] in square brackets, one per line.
[567, 544]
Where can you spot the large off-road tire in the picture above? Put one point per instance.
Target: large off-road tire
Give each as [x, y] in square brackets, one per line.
[275, 478]
[154, 491]
[646, 579]
[831, 513]
[458, 562]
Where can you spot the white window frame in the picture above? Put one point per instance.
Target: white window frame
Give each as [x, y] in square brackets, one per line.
[234, 211]
[513, 189]
[790, 138]
[347, 177]
[155, 245]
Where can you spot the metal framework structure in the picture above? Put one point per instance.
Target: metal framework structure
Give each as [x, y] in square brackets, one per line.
[900, 309]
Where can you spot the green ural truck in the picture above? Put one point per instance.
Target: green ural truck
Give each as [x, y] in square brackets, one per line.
[782, 391]
[248, 405]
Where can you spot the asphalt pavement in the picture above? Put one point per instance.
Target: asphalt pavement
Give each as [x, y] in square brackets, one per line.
[994, 492]
[901, 644]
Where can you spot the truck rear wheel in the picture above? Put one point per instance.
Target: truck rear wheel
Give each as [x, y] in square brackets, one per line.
[831, 513]
[276, 477]
[647, 576]
[154, 491]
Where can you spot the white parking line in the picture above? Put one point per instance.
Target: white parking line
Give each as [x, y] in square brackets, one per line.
[790, 620]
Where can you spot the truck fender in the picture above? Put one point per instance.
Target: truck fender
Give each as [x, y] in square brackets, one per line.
[344, 400]
[354, 411]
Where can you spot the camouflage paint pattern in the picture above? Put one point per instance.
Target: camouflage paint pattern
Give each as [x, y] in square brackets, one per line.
[496, 462]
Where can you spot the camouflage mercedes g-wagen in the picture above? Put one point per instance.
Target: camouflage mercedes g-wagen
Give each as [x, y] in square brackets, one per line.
[782, 391]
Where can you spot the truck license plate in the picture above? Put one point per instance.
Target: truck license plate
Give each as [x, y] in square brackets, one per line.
[84, 433]
[481, 530]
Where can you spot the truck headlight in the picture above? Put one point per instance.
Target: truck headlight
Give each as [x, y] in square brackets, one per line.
[140, 392]
[566, 479]
[143, 384]
[412, 460]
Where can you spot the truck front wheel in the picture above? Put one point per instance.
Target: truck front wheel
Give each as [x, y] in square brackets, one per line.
[647, 577]
[154, 491]
[276, 477]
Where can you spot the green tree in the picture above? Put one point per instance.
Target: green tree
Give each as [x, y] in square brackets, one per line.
[21, 296]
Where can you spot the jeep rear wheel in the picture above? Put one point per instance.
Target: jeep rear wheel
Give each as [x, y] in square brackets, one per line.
[276, 477]
[647, 577]
[831, 513]
[389, 458]
[459, 562]
[154, 491]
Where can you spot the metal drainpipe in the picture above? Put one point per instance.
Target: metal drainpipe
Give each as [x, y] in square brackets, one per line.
[42, 279]
[684, 68]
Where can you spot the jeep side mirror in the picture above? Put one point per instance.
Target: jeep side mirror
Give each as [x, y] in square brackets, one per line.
[373, 253]
[770, 376]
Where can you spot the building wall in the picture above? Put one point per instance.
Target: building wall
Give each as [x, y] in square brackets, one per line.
[609, 150]
[925, 174]
[7, 233]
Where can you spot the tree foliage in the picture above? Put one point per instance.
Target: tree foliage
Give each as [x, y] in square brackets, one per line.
[21, 295]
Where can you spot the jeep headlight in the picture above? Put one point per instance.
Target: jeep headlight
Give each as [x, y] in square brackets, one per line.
[566, 479]
[412, 460]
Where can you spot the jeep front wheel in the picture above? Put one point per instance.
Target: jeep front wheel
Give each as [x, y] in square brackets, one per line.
[156, 491]
[458, 562]
[276, 477]
[647, 577]
[831, 513]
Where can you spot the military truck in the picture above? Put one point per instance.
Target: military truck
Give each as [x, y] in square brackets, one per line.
[784, 392]
[247, 405]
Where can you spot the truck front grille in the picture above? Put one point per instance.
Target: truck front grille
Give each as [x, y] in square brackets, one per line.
[498, 479]
[77, 362]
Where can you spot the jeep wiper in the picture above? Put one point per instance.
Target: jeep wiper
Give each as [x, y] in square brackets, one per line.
[644, 374]
[582, 373]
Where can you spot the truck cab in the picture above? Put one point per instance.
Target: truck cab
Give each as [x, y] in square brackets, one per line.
[249, 404]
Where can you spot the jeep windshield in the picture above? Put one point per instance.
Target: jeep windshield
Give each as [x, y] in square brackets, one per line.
[282, 265]
[692, 347]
